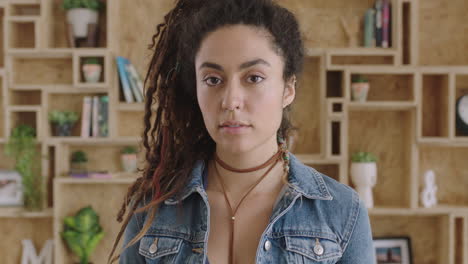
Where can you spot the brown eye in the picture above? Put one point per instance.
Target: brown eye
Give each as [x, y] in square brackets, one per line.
[215, 81]
[255, 78]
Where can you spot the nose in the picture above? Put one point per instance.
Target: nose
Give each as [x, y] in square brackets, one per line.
[233, 96]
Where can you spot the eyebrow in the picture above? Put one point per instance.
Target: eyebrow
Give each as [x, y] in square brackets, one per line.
[242, 66]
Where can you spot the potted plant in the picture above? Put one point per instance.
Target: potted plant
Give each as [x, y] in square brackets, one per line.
[129, 159]
[82, 232]
[82, 18]
[92, 70]
[62, 122]
[22, 147]
[359, 88]
[364, 175]
[78, 162]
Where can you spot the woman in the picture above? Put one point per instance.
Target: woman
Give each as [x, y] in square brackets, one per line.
[220, 185]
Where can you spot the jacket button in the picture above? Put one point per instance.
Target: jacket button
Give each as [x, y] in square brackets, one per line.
[318, 248]
[267, 245]
[154, 246]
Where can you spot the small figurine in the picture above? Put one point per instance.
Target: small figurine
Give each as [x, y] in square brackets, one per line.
[428, 195]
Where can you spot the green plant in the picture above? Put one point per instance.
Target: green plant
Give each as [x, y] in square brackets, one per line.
[359, 79]
[129, 150]
[82, 232]
[91, 60]
[62, 117]
[79, 156]
[21, 146]
[362, 156]
[95, 5]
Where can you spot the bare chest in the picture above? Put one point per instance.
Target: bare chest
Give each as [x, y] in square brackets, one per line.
[250, 222]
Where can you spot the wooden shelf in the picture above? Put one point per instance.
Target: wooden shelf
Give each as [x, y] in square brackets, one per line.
[19, 212]
[408, 120]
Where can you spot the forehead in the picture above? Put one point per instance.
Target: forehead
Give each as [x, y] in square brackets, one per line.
[235, 44]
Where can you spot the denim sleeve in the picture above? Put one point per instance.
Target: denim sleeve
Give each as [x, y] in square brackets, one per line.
[130, 255]
[360, 248]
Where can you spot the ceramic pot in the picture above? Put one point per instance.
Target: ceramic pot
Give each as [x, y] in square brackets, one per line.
[79, 18]
[129, 162]
[359, 91]
[92, 72]
[364, 177]
[63, 130]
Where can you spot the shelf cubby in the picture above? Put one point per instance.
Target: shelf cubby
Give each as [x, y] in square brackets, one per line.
[80, 57]
[451, 172]
[449, 47]
[42, 71]
[335, 108]
[68, 102]
[321, 21]
[308, 94]
[461, 88]
[388, 134]
[434, 110]
[38, 229]
[23, 32]
[25, 97]
[25, 9]
[71, 197]
[335, 84]
[24, 115]
[57, 28]
[460, 239]
[361, 56]
[388, 87]
[427, 234]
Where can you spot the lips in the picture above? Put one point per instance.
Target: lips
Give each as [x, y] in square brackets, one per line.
[234, 124]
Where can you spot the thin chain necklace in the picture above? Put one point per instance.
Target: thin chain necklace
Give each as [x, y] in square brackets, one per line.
[273, 160]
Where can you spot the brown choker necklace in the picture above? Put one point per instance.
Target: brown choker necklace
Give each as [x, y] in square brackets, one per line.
[273, 160]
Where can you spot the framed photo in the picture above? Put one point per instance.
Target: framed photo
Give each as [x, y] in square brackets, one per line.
[11, 189]
[393, 250]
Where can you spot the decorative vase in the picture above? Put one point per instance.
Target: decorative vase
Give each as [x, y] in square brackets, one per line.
[92, 72]
[359, 91]
[63, 130]
[83, 30]
[364, 177]
[79, 18]
[129, 162]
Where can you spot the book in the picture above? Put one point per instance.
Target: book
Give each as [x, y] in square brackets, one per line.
[103, 117]
[95, 112]
[133, 84]
[369, 34]
[136, 76]
[378, 23]
[125, 83]
[385, 23]
[86, 117]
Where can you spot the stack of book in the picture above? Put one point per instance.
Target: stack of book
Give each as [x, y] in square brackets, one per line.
[377, 25]
[131, 83]
[95, 116]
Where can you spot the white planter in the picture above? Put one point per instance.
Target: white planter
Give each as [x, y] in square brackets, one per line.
[92, 72]
[129, 162]
[80, 18]
[359, 91]
[364, 177]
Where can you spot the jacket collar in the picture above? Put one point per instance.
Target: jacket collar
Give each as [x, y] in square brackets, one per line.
[303, 179]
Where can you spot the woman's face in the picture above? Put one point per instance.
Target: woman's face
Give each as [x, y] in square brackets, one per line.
[237, 69]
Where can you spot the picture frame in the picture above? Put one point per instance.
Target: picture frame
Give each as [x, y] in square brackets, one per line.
[393, 250]
[11, 190]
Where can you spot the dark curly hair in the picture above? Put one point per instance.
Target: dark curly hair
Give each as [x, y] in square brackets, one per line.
[174, 135]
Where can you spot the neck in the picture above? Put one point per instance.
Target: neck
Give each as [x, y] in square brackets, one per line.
[238, 183]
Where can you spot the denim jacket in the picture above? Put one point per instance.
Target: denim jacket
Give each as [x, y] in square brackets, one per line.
[315, 220]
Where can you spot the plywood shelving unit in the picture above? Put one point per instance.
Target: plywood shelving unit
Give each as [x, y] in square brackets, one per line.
[408, 120]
